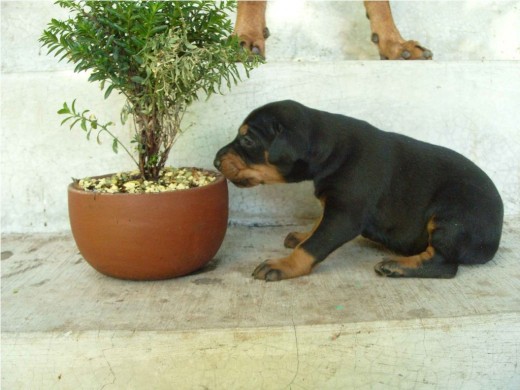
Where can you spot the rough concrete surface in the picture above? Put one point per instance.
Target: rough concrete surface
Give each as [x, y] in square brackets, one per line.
[65, 325]
[43, 272]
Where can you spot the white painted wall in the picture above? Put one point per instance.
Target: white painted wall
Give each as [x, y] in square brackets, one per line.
[468, 99]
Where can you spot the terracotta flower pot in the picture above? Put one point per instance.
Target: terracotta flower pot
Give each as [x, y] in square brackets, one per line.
[149, 236]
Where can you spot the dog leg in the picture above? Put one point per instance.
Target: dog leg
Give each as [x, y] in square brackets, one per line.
[250, 26]
[466, 229]
[293, 239]
[387, 37]
[334, 229]
[428, 264]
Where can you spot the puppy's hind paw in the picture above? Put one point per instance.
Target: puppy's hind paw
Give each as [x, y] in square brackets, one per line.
[389, 267]
[418, 266]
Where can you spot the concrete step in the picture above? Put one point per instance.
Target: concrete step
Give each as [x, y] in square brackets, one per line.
[66, 326]
[303, 30]
[471, 107]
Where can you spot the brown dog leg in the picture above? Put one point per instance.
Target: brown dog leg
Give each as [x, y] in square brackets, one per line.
[250, 26]
[333, 229]
[388, 39]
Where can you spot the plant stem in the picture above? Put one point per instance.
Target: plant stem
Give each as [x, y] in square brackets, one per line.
[105, 128]
[123, 146]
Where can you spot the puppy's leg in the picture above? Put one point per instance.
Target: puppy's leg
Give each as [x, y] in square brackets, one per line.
[293, 239]
[466, 229]
[431, 263]
[385, 34]
[334, 229]
[250, 26]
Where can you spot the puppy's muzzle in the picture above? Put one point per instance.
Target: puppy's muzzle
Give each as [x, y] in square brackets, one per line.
[231, 166]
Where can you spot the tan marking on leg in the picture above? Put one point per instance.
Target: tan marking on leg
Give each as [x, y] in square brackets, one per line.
[417, 260]
[430, 227]
[385, 34]
[250, 25]
[427, 264]
[298, 263]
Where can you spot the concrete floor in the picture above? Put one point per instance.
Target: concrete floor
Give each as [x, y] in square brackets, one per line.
[66, 326]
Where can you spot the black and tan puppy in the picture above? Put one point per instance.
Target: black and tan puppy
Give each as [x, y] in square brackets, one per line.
[428, 203]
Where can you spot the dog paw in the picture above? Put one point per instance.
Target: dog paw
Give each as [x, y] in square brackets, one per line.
[298, 263]
[253, 41]
[293, 239]
[401, 50]
[265, 271]
[389, 267]
[417, 267]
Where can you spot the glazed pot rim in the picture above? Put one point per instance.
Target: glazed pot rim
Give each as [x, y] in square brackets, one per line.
[73, 187]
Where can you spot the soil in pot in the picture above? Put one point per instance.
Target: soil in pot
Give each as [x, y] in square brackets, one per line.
[170, 179]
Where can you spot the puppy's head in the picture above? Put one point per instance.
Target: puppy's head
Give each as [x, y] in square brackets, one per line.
[272, 146]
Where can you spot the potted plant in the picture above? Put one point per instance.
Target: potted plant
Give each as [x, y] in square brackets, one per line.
[155, 222]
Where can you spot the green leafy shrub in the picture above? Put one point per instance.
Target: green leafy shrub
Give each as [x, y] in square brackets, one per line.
[161, 55]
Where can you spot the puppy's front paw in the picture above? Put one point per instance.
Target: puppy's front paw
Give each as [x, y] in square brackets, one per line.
[266, 271]
[298, 263]
[293, 239]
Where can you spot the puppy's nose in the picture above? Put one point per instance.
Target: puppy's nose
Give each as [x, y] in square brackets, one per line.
[217, 163]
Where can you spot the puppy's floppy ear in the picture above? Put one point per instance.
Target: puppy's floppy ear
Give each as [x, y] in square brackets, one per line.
[289, 152]
[281, 152]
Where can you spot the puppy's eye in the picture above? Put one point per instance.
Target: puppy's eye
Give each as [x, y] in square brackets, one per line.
[247, 142]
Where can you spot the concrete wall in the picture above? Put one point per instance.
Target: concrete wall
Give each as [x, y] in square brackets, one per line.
[467, 99]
